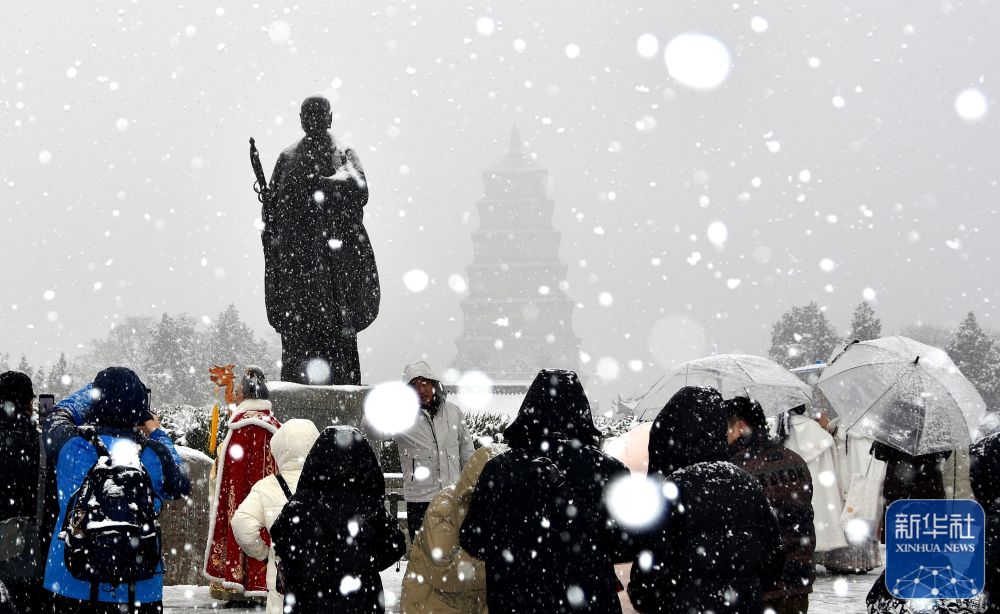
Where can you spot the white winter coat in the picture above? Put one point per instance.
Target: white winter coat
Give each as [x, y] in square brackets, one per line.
[432, 452]
[854, 458]
[818, 449]
[289, 447]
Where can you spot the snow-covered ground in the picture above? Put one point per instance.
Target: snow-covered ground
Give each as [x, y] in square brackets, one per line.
[831, 594]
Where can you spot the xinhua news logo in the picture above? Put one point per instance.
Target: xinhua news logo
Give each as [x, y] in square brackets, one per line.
[935, 549]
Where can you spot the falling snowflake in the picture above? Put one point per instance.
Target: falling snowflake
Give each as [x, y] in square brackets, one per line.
[697, 61]
[391, 407]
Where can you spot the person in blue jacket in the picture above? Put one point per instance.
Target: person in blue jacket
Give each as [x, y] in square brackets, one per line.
[116, 405]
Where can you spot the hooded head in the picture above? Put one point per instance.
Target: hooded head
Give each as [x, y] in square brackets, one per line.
[691, 428]
[119, 398]
[290, 445]
[555, 407]
[474, 466]
[341, 460]
[425, 382]
[16, 394]
[984, 469]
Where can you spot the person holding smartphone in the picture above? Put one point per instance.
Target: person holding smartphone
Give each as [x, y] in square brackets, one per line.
[21, 456]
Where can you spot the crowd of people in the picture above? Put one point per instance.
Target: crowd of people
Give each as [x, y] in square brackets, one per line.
[298, 515]
[90, 540]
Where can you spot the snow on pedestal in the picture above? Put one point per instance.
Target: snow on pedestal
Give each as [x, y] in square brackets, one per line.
[324, 405]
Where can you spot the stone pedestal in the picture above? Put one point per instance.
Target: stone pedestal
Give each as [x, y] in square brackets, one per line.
[184, 524]
[324, 405]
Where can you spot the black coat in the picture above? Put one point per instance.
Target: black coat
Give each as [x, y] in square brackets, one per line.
[21, 487]
[909, 477]
[984, 473]
[310, 284]
[20, 456]
[537, 516]
[334, 536]
[787, 484]
[720, 545]
[6, 601]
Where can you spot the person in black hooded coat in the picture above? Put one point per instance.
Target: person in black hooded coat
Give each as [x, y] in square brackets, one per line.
[914, 477]
[984, 457]
[20, 489]
[720, 545]
[537, 517]
[334, 535]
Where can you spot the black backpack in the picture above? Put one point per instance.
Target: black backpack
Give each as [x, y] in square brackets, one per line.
[111, 529]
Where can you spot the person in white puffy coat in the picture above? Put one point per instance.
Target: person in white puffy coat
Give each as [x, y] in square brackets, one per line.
[289, 447]
[804, 436]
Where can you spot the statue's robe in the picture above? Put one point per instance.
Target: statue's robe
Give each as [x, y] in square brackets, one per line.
[321, 282]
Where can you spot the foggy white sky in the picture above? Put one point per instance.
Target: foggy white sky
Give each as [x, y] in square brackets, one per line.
[124, 162]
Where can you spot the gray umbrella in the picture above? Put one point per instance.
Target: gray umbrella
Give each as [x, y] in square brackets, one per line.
[903, 393]
[733, 375]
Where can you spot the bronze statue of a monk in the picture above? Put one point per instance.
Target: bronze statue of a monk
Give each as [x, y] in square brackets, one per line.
[321, 284]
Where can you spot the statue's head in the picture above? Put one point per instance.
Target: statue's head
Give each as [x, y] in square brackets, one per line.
[316, 116]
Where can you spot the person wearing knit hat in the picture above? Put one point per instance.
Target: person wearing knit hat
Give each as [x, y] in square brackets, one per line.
[119, 399]
[116, 406]
[434, 450]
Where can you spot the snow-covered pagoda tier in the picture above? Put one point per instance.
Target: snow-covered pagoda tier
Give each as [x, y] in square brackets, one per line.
[518, 317]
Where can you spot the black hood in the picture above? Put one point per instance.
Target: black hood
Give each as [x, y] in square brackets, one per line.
[984, 470]
[341, 460]
[555, 407]
[691, 428]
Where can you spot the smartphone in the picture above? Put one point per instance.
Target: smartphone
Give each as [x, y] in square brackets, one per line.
[149, 399]
[45, 404]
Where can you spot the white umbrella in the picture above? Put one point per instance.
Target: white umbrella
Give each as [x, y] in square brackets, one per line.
[906, 394]
[733, 375]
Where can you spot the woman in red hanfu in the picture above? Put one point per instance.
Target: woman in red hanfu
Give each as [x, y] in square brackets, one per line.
[243, 458]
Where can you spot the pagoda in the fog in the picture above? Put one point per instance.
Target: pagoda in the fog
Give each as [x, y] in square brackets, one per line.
[518, 317]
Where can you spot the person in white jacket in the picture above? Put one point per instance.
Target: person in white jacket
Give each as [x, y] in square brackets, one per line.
[856, 465]
[434, 450]
[289, 447]
[804, 436]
